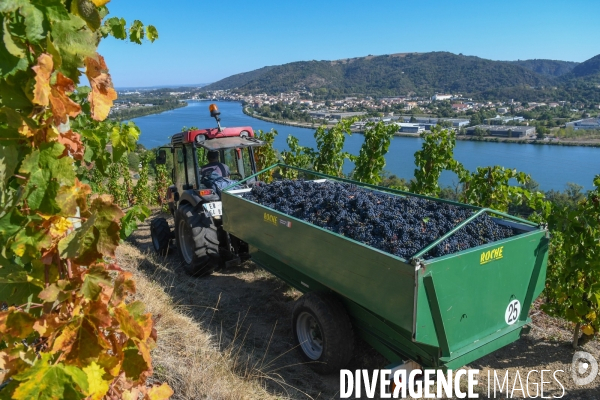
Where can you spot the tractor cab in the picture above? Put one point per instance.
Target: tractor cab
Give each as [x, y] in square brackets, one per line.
[236, 150]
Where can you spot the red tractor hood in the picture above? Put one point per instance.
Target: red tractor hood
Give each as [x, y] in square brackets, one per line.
[213, 133]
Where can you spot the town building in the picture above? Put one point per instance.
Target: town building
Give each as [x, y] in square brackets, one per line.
[503, 131]
[409, 128]
[498, 120]
[440, 97]
[588, 123]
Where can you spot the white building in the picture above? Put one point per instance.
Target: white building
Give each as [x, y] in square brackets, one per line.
[440, 97]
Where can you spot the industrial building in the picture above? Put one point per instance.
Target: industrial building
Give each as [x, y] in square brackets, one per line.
[498, 120]
[335, 115]
[409, 128]
[428, 122]
[588, 123]
[504, 131]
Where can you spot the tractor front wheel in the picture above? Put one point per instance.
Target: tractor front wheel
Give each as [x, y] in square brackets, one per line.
[161, 235]
[197, 241]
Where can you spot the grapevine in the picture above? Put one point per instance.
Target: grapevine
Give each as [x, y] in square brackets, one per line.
[436, 155]
[67, 326]
[160, 186]
[141, 191]
[370, 161]
[266, 155]
[573, 288]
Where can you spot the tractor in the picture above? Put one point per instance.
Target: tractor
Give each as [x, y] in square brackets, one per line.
[199, 236]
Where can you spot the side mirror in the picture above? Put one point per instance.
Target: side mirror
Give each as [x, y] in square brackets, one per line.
[161, 159]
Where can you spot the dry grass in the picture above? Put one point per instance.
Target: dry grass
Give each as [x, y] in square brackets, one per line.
[195, 363]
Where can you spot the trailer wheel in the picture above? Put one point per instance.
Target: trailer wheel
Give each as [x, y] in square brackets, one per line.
[197, 241]
[322, 332]
[161, 235]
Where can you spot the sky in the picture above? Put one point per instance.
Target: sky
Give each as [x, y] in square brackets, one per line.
[204, 41]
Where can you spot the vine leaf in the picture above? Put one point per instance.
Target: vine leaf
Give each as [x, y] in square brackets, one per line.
[72, 142]
[80, 340]
[151, 33]
[71, 197]
[124, 285]
[133, 321]
[46, 173]
[88, 12]
[136, 360]
[98, 235]
[46, 381]
[97, 385]
[123, 138]
[43, 71]
[94, 279]
[16, 286]
[161, 392]
[62, 105]
[11, 5]
[16, 323]
[116, 27]
[34, 23]
[12, 47]
[73, 47]
[100, 3]
[102, 95]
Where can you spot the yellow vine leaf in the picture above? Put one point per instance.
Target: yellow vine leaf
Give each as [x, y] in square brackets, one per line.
[60, 227]
[588, 330]
[43, 71]
[102, 95]
[97, 385]
[161, 392]
[132, 394]
[24, 130]
[100, 3]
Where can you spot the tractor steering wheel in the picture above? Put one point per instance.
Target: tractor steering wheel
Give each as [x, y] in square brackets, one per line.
[232, 174]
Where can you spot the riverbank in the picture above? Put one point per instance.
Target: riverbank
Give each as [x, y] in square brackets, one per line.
[131, 113]
[552, 142]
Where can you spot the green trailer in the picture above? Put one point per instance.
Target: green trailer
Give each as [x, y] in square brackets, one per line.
[441, 313]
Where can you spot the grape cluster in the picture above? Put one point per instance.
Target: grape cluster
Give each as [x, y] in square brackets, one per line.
[395, 224]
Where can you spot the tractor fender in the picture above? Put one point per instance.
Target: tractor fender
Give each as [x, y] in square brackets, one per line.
[189, 196]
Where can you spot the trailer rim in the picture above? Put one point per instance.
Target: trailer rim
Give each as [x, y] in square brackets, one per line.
[310, 335]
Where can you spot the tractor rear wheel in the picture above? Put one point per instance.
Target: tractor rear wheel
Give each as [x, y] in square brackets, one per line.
[197, 241]
[161, 235]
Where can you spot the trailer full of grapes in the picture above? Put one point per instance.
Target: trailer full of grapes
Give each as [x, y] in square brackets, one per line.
[442, 302]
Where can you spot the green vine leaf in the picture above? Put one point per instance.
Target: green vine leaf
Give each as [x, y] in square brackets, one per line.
[47, 381]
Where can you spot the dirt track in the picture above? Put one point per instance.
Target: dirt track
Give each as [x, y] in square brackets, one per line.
[248, 309]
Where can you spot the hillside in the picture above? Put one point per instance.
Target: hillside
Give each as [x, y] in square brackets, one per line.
[550, 68]
[237, 80]
[587, 70]
[388, 75]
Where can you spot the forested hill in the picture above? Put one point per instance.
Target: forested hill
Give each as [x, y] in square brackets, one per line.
[550, 68]
[587, 70]
[388, 75]
[238, 80]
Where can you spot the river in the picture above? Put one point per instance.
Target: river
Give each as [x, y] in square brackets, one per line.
[551, 166]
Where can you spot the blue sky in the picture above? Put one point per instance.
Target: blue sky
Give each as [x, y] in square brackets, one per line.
[204, 41]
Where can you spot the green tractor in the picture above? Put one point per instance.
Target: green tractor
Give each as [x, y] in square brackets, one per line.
[196, 207]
